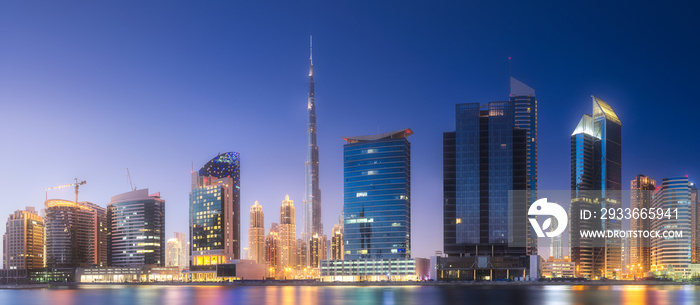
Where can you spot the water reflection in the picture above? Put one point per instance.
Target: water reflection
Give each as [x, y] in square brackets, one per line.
[316, 295]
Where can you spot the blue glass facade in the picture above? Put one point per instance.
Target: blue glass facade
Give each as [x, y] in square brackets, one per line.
[377, 190]
[484, 161]
[596, 182]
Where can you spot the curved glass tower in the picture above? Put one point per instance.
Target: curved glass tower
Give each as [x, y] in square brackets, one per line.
[136, 229]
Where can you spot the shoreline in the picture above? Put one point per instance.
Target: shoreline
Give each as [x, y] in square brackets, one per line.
[353, 284]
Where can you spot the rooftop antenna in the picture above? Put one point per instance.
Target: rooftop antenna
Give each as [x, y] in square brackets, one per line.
[510, 72]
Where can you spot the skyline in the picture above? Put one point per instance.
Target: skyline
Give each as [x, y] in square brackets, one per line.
[149, 105]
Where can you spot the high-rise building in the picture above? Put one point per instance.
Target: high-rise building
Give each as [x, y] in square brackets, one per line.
[377, 192]
[311, 205]
[272, 250]
[215, 214]
[288, 234]
[695, 225]
[76, 234]
[23, 241]
[337, 243]
[486, 189]
[173, 253]
[316, 250]
[182, 238]
[256, 234]
[302, 252]
[136, 229]
[672, 252]
[525, 106]
[641, 188]
[556, 245]
[596, 183]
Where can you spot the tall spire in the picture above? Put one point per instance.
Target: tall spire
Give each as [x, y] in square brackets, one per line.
[312, 200]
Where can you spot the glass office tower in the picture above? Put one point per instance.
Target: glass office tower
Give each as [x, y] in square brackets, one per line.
[136, 229]
[377, 190]
[215, 214]
[672, 254]
[596, 182]
[641, 189]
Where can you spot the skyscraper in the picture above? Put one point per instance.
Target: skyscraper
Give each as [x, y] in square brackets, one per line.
[76, 234]
[525, 104]
[337, 243]
[173, 253]
[312, 199]
[185, 248]
[316, 250]
[641, 189]
[256, 234]
[288, 234]
[377, 192]
[215, 214]
[272, 250]
[695, 225]
[672, 253]
[302, 254]
[486, 189]
[136, 229]
[596, 182]
[23, 241]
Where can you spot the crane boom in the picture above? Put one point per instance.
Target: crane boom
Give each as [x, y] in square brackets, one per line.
[77, 185]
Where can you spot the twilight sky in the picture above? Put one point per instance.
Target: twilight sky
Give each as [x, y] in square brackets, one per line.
[88, 89]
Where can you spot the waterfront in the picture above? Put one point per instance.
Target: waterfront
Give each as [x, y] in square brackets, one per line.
[214, 295]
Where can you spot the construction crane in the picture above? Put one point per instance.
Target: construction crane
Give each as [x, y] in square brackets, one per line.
[77, 185]
[128, 174]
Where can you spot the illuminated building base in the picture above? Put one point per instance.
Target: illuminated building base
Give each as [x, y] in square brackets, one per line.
[414, 269]
[141, 274]
[236, 270]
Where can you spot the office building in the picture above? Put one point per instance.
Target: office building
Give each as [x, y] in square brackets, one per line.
[641, 189]
[695, 224]
[489, 172]
[23, 241]
[76, 234]
[672, 253]
[302, 254]
[596, 183]
[272, 250]
[337, 243]
[256, 234]
[173, 253]
[311, 205]
[136, 229]
[377, 192]
[288, 235]
[558, 268]
[525, 115]
[215, 215]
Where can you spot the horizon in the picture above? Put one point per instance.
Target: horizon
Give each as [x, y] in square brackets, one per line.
[91, 90]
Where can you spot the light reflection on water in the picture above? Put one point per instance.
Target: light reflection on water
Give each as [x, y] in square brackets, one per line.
[318, 295]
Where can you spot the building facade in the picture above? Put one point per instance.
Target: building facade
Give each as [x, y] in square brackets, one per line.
[641, 189]
[525, 115]
[256, 234]
[215, 214]
[695, 224]
[136, 229]
[672, 253]
[377, 196]
[272, 250]
[337, 252]
[173, 253]
[311, 205]
[488, 176]
[76, 234]
[288, 234]
[596, 183]
[23, 241]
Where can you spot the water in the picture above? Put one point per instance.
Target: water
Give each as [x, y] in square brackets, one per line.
[313, 295]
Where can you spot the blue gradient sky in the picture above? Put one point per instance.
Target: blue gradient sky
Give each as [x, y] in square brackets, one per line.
[88, 89]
